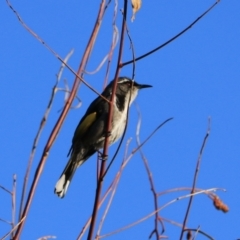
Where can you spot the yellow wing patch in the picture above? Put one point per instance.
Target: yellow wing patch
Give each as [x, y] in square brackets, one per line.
[83, 127]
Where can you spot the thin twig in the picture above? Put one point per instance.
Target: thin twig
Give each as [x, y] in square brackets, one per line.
[187, 229]
[38, 134]
[89, 220]
[172, 39]
[14, 201]
[106, 143]
[77, 75]
[115, 38]
[128, 106]
[172, 222]
[61, 118]
[196, 233]
[115, 32]
[154, 131]
[197, 230]
[117, 176]
[136, 149]
[153, 213]
[114, 187]
[150, 177]
[195, 178]
[8, 222]
[108, 56]
[133, 52]
[209, 194]
[6, 190]
[100, 204]
[46, 237]
[76, 97]
[13, 229]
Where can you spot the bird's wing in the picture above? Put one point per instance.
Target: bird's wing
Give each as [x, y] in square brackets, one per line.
[84, 125]
[92, 114]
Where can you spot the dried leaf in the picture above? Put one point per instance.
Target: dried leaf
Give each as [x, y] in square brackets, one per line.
[219, 205]
[136, 5]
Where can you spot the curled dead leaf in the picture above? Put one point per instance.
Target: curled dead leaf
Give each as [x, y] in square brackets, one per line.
[220, 205]
[136, 5]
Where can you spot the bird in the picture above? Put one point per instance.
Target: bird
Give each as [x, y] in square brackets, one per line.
[89, 136]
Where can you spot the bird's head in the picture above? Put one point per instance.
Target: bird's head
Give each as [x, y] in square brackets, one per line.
[126, 87]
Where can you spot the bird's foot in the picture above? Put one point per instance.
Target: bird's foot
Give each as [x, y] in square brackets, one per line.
[102, 156]
[108, 134]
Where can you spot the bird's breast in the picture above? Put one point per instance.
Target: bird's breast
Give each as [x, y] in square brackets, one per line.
[118, 124]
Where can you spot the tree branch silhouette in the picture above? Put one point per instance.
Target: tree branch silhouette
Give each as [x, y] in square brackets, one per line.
[108, 130]
[61, 119]
[195, 178]
[38, 134]
[173, 38]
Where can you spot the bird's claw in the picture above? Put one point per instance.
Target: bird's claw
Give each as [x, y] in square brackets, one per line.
[102, 156]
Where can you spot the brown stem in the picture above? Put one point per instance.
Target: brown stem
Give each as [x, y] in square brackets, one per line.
[195, 179]
[60, 120]
[38, 134]
[37, 37]
[114, 189]
[14, 201]
[6, 190]
[152, 214]
[110, 188]
[150, 177]
[107, 72]
[125, 128]
[109, 126]
[172, 39]
[199, 231]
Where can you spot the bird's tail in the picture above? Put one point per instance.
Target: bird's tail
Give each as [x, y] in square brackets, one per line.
[66, 177]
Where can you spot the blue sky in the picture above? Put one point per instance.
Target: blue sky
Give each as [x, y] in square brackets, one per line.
[195, 77]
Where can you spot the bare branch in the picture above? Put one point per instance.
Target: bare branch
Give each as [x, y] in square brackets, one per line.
[172, 222]
[13, 229]
[116, 178]
[195, 178]
[150, 177]
[14, 201]
[172, 39]
[46, 237]
[114, 187]
[199, 231]
[40, 129]
[109, 55]
[67, 94]
[61, 118]
[155, 130]
[6, 190]
[106, 143]
[77, 75]
[8, 222]
[115, 33]
[154, 212]
[209, 194]
[125, 128]
[133, 52]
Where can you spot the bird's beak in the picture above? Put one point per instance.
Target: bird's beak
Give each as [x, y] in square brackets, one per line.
[140, 86]
[144, 86]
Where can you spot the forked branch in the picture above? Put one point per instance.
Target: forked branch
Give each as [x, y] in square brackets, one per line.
[61, 118]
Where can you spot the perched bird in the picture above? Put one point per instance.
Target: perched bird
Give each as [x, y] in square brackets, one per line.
[90, 133]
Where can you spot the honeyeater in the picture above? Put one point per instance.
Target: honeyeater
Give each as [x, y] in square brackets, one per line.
[91, 131]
